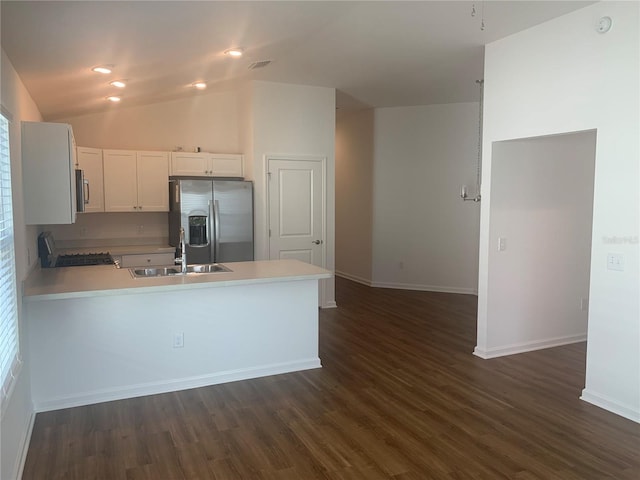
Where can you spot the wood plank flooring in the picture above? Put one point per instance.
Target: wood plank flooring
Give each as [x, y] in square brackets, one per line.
[400, 396]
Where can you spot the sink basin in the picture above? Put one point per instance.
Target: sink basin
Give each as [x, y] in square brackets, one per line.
[207, 268]
[154, 272]
[168, 271]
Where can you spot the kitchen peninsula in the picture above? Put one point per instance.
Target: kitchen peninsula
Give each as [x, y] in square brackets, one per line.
[97, 333]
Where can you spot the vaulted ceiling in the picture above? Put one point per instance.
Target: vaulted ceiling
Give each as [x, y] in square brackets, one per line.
[380, 53]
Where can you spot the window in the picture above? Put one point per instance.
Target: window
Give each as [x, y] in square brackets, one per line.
[9, 355]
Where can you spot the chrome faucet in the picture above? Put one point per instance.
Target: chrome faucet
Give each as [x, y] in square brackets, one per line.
[182, 259]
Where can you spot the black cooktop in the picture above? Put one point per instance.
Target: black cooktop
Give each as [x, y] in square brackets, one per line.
[81, 259]
[49, 257]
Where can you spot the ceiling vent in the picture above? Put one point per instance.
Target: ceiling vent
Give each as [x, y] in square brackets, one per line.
[261, 64]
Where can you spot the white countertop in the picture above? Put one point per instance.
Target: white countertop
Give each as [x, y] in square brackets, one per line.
[102, 280]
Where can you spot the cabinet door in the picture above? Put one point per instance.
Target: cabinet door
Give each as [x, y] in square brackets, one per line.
[153, 181]
[190, 164]
[120, 181]
[227, 165]
[48, 173]
[90, 161]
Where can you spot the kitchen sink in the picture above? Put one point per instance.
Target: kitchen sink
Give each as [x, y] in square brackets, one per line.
[170, 271]
[154, 272]
[207, 268]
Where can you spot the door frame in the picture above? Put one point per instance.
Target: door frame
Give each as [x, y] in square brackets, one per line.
[267, 188]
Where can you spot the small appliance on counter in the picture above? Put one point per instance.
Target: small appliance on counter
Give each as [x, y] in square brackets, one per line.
[49, 257]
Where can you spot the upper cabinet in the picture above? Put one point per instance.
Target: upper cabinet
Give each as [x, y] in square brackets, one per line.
[48, 173]
[207, 164]
[89, 160]
[136, 181]
[153, 181]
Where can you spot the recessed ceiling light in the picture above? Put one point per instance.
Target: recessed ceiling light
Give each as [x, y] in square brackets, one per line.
[234, 52]
[118, 84]
[103, 69]
[114, 99]
[199, 85]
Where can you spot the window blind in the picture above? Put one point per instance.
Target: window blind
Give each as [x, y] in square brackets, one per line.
[9, 351]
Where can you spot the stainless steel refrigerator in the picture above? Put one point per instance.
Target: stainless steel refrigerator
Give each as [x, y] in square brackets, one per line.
[217, 217]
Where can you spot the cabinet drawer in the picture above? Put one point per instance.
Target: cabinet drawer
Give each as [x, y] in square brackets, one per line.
[143, 260]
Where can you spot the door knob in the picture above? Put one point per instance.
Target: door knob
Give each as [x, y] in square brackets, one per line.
[317, 242]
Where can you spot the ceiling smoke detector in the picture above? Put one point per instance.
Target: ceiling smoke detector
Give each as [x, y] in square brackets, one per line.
[260, 64]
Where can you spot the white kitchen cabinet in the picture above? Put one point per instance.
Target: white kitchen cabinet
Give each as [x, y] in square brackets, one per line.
[89, 160]
[223, 165]
[189, 164]
[153, 181]
[48, 173]
[120, 181]
[207, 164]
[136, 181]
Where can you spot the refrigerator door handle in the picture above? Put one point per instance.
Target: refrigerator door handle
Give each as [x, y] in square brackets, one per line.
[216, 227]
[211, 232]
[176, 191]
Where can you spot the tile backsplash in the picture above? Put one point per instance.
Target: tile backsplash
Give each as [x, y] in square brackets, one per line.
[112, 229]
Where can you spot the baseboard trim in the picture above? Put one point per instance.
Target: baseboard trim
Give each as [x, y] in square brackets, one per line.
[354, 278]
[609, 404]
[154, 388]
[425, 288]
[24, 445]
[331, 304]
[516, 348]
[406, 286]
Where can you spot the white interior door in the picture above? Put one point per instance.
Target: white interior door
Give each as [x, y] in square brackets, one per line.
[296, 209]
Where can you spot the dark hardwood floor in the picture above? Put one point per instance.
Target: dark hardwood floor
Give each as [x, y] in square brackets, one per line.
[400, 396]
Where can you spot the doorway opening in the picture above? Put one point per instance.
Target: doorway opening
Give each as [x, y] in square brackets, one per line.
[541, 215]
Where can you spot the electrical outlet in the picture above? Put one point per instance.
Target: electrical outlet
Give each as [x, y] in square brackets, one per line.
[83, 231]
[178, 340]
[502, 244]
[140, 229]
[584, 304]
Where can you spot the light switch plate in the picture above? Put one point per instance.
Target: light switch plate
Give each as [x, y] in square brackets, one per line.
[615, 261]
[178, 340]
[502, 244]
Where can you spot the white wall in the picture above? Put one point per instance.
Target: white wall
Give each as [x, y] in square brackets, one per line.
[563, 76]
[209, 121]
[354, 195]
[112, 229]
[294, 120]
[232, 332]
[16, 423]
[542, 207]
[424, 236]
